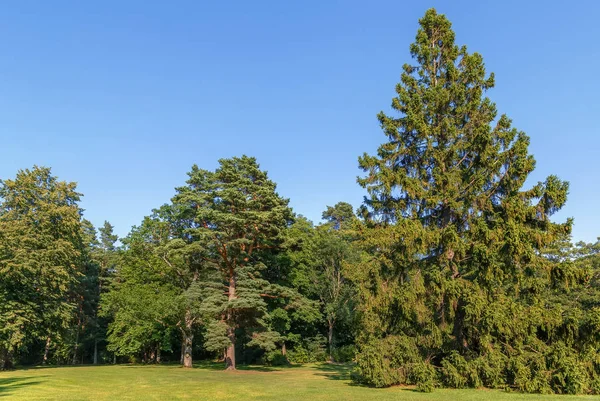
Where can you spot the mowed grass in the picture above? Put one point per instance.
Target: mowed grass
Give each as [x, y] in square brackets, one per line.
[209, 382]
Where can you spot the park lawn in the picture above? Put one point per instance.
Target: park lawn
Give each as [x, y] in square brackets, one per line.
[208, 382]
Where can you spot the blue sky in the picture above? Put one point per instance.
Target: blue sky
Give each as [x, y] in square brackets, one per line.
[124, 96]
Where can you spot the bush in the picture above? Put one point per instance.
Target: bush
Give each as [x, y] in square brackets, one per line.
[345, 353]
[311, 350]
[388, 361]
[276, 358]
[424, 376]
[457, 372]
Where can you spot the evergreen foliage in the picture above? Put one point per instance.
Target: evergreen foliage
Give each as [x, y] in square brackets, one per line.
[454, 273]
[454, 279]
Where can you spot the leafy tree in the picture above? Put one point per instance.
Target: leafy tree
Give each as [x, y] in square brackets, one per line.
[453, 269]
[104, 252]
[234, 217]
[319, 257]
[144, 302]
[334, 253]
[85, 296]
[40, 257]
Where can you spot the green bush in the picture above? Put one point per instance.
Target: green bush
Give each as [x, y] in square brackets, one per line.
[345, 353]
[276, 358]
[424, 376]
[310, 350]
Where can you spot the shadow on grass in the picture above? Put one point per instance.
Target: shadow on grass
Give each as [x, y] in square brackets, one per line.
[335, 371]
[220, 366]
[10, 384]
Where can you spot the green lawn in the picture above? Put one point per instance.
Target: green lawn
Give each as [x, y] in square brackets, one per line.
[208, 382]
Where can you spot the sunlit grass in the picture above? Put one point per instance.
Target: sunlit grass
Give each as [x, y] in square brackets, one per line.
[209, 382]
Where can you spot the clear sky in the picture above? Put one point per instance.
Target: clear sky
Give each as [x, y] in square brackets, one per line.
[124, 96]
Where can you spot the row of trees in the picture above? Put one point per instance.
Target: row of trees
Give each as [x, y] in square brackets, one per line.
[453, 273]
[226, 262]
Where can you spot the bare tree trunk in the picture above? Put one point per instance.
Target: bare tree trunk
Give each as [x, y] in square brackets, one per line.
[230, 358]
[283, 349]
[158, 354]
[76, 343]
[330, 338]
[114, 358]
[187, 353]
[95, 351]
[230, 352]
[5, 359]
[46, 351]
[188, 338]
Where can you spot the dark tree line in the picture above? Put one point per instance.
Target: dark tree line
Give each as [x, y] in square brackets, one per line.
[453, 273]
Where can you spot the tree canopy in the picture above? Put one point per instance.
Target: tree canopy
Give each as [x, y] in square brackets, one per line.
[455, 270]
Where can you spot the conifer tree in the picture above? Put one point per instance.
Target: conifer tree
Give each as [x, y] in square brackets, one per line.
[453, 264]
[233, 216]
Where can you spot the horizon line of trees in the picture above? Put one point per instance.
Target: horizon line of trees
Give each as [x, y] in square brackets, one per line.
[452, 272]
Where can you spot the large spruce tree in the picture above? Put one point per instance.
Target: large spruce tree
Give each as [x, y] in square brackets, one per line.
[453, 270]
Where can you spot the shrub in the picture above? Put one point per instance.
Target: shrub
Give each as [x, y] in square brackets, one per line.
[276, 358]
[344, 353]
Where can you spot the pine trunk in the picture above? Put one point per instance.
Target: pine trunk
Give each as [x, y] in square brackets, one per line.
[95, 351]
[230, 352]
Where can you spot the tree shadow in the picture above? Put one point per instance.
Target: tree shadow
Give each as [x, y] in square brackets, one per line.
[11, 384]
[42, 367]
[220, 366]
[335, 371]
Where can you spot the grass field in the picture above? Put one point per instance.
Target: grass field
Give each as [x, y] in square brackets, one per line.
[208, 382]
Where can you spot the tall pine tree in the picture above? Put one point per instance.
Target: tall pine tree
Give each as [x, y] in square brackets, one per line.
[234, 218]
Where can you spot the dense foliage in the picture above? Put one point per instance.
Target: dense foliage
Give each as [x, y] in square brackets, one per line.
[455, 284]
[452, 274]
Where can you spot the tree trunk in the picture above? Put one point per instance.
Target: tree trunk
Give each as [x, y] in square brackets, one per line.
[188, 338]
[158, 354]
[5, 359]
[330, 338]
[95, 351]
[230, 352]
[46, 351]
[182, 351]
[283, 349]
[76, 344]
[187, 353]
